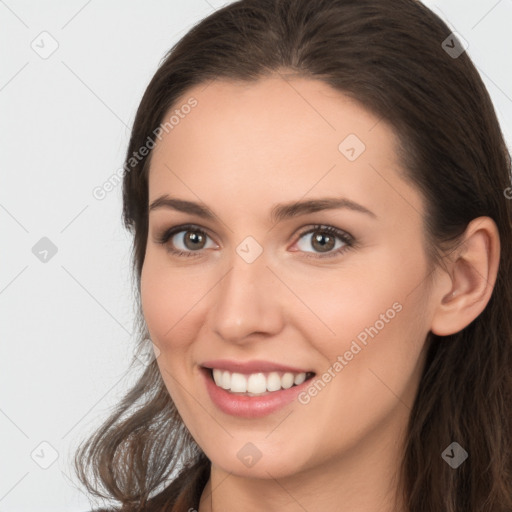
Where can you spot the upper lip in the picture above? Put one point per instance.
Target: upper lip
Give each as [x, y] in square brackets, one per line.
[253, 366]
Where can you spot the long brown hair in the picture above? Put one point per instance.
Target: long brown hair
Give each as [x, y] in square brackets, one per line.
[393, 58]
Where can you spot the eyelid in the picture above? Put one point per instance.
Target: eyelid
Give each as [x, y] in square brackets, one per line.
[349, 241]
[166, 234]
[344, 236]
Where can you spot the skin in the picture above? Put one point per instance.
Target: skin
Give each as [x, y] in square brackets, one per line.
[241, 150]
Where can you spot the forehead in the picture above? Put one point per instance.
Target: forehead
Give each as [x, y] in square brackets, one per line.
[276, 138]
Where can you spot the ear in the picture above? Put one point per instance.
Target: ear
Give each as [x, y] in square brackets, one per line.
[473, 269]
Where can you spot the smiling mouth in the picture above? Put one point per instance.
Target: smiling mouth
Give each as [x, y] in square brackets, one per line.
[258, 383]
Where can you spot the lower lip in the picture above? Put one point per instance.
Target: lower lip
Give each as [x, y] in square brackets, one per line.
[245, 406]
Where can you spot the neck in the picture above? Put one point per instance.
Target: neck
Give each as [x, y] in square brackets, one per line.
[364, 479]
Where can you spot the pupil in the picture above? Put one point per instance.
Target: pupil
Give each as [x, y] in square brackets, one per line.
[325, 242]
[325, 246]
[194, 238]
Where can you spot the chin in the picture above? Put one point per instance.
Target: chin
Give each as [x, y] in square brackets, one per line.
[252, 461]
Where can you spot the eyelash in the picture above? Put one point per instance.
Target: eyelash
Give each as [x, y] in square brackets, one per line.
[347, 239]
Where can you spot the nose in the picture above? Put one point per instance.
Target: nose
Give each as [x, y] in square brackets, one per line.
[247, 302]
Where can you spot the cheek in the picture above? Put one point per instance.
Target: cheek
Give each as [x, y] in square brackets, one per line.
[339, 305]
[167, 300]
[372, 363]
[373, 313]
[167, 297]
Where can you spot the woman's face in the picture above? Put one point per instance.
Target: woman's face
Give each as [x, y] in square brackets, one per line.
[258, 283]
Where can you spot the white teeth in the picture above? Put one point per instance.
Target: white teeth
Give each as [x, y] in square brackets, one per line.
[287, 380]
[217, 376]
[299, 378]
[273, 382]
[226, 380]
[238, 383]
[256, 383]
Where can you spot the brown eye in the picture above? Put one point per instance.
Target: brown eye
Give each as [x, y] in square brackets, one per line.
[323, 242]
[193, 240]
[325, 239]
[184, 240]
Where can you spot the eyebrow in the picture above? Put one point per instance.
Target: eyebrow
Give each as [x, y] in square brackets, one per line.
[278, 213]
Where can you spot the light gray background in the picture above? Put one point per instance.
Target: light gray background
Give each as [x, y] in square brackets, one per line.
[65, 122]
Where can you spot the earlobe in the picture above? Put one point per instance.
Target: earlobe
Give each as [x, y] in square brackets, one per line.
[473, 274]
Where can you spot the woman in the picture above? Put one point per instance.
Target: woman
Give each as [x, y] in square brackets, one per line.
[322, 246]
